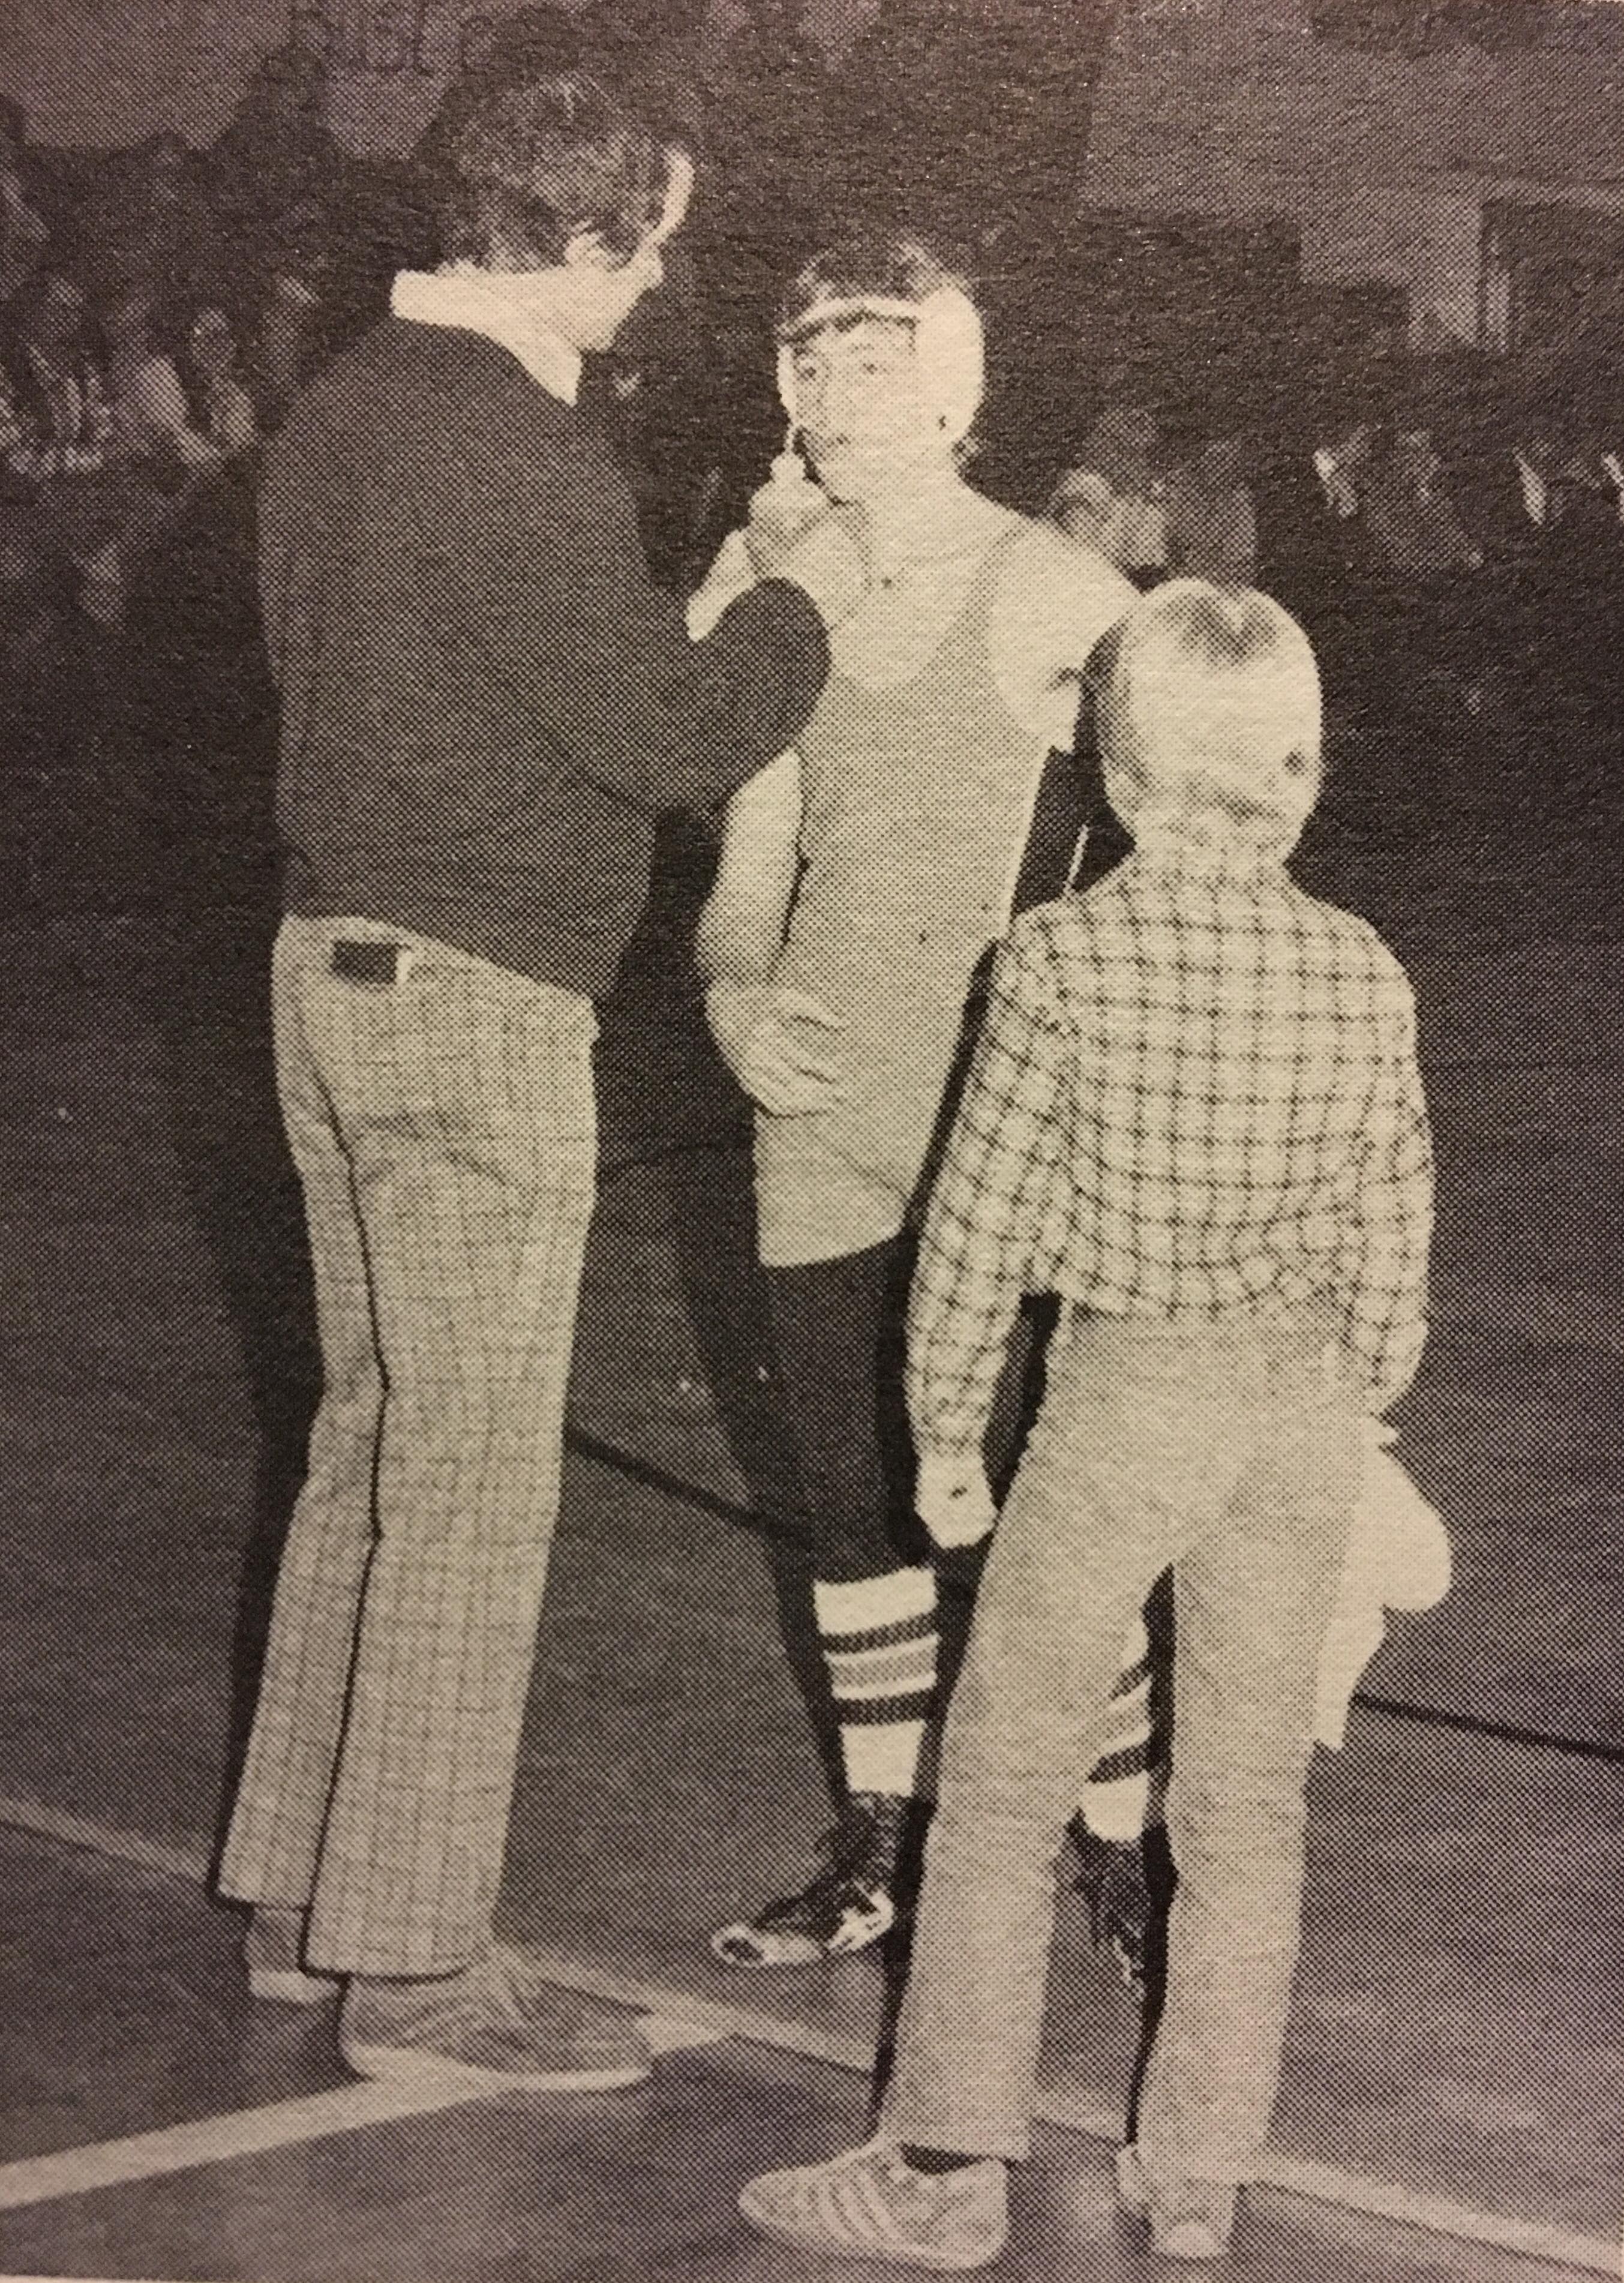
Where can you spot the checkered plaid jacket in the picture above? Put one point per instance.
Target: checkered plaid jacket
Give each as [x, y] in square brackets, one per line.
[1196, 1090]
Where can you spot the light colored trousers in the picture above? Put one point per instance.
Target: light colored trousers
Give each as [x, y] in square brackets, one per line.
[444, 1128]
[1226, 1449]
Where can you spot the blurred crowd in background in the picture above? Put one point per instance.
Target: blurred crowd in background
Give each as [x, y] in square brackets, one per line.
[1450, 528]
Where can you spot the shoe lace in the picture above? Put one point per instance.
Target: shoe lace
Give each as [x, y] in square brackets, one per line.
[886, 2158]
[844, 1857]
[837, 1858]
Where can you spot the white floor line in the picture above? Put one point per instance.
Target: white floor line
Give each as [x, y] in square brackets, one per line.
[219, 2139]
[175, 1862]
[714, 2015]
[1530, 2240]
[682, 2019]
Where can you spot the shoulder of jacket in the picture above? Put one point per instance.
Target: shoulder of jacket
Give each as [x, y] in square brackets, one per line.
[1355, 933]
[471, 378]
[1392, 976]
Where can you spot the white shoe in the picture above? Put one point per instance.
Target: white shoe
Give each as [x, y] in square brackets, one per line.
[870, 2204]
[498, 2023]
[1192, 2219]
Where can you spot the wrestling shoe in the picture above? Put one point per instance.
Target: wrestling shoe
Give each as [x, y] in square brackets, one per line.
[1112, 1881]
[849, 1904]
[871, 2204]
[1193, 2220]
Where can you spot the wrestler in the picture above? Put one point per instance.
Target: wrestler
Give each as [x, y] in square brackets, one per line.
[862, 879]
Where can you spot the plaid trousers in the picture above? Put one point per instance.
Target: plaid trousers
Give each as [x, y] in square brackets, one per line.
[444, 1127]
[1223, 1447]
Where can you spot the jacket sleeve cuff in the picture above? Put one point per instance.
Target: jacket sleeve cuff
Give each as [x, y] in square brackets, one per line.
[784, 615]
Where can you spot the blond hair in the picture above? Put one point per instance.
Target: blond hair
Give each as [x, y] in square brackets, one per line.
[1210, 720]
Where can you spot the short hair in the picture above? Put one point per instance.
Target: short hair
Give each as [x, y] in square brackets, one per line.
[889, 266]
[529, 157]
[1210, 717]
[48, 290]
[129, 295]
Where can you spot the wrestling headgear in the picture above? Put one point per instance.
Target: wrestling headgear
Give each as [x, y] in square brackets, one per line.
[949, 347]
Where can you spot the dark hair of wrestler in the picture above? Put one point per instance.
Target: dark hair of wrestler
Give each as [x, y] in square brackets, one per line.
[891, 267]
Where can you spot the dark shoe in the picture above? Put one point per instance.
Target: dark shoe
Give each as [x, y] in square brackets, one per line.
[273, 1952]
[1111, 1880]
[850, 1902]
[496, 2024]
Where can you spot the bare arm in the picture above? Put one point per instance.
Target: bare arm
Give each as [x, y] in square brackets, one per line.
[741, 928]
[1054, 603]
[773, 1038]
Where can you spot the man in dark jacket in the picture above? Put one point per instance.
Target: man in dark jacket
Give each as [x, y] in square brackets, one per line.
[484, 706]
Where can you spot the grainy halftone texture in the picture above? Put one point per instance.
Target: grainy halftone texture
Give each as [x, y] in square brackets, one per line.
[444, 1128]
[1219, 1449]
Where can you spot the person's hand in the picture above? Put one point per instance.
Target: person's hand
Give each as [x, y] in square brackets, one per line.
[954, 1502]
[731, 575]
[823, 558]
[761, 1029]
[788, 503]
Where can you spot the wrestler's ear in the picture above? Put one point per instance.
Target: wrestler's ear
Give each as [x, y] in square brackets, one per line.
[588, 249]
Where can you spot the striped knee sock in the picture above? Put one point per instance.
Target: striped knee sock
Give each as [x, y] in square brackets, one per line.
[1122, 1791]
[879, 1642]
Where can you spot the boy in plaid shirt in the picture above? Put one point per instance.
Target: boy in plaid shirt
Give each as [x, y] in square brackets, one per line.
[1195, 1115]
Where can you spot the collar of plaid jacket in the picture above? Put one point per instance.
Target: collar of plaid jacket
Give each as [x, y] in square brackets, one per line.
[1208, 847]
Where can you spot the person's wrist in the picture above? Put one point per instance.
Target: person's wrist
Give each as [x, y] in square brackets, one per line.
[728, 983]
[731, 1010]
[945, 1464]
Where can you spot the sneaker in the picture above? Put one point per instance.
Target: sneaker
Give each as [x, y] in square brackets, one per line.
[497, 2025]
[870, 2204]
[273, 1952]
[1192, 2219]
[847, 1904]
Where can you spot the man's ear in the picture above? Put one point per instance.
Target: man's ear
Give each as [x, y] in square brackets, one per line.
[679, 178]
